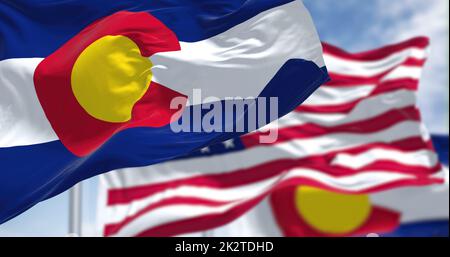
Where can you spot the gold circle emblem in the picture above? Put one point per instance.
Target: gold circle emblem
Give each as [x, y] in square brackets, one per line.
[109, 77]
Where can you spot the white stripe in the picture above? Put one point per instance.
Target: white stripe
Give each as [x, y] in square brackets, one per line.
[298, 148]
[403, 72]
[338, 95]
[241, 61]
[371, 68]
[22, 120]
[180, 212]
[416, 203]
[425, 158]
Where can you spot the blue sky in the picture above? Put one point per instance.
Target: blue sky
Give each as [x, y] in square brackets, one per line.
[352, 24]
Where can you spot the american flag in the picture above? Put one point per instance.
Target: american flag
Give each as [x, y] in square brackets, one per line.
[360, 133]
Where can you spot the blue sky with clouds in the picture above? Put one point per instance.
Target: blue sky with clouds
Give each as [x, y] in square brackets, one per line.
[355, 25]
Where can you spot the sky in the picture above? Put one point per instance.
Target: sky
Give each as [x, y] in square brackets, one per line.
[355, 25]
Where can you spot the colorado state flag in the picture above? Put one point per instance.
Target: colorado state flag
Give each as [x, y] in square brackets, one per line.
[87, 86]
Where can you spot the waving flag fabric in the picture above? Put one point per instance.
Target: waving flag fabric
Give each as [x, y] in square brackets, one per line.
[359, 133]
[87, 86]
[441, 143]
[302, 211]
[405, 212]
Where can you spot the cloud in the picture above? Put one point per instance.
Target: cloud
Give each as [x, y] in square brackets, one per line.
[408, 18]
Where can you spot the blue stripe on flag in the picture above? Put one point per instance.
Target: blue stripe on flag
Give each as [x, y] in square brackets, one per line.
[422, 229]
[30, 28]
[440, 143]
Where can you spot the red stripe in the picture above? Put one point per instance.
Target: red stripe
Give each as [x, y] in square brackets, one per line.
[392, 85]
[205, 222]
[382, 165]
[350, 80]
[358, 82]
[404, 145]
[310, 130]
[404, 83]
[413, 62]
[270, 169]
[337, 78]
[376, 54]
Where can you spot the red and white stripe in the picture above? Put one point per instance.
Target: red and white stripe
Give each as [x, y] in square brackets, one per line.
[359, 133]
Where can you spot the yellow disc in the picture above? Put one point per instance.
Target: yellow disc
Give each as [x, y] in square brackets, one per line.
[109, 77]
[330, 212]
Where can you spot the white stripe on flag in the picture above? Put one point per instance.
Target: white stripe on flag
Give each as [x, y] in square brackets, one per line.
[403, 72]
[371, 68]
[425, 158]
[224, 69]
[22, 120]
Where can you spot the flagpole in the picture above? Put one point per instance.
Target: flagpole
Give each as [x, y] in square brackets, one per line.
[75, 195]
